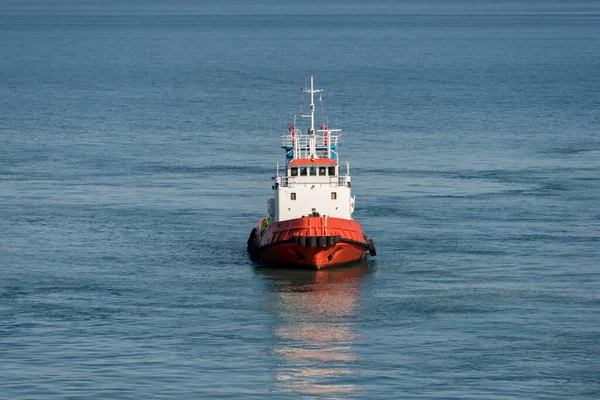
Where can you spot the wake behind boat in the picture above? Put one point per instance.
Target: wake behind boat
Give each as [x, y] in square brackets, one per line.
[310, 216]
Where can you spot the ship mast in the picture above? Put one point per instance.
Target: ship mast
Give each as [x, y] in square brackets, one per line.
[311, 131]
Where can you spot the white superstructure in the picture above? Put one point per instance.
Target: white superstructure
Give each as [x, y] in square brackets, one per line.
[312, 182]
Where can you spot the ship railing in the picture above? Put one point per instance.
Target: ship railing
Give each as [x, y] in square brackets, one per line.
[327, 140]
[323, 154]
[301, 152]
[344, 178]
[343, 181]
[305, 153]
[334, 181]
[302, 140]
[298, 146]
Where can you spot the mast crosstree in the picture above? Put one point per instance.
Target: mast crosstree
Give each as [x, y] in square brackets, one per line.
[314, 144]
[311, 130]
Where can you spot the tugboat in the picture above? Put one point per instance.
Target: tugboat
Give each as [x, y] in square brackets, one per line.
[310, 216]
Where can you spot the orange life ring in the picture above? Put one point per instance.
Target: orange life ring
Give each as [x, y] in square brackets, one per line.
[325, 134]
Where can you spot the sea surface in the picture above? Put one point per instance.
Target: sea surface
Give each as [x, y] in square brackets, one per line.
[137, 144]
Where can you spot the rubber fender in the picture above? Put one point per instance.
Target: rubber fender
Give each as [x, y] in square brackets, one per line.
[250, 243]
[322, 241]
[252, 248]
[311, 241]
[302, 240]
[331, 240]
[372, 250]
[255, 255]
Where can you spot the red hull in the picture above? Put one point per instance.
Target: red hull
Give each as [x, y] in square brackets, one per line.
[312, 242]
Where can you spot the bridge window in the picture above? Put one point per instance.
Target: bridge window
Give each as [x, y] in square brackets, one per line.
[331, 171]
[313, 171]
[322, 171]
[303, 171]
[294, 171]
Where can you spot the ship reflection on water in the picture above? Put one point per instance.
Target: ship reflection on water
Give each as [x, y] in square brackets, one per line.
[316, 335]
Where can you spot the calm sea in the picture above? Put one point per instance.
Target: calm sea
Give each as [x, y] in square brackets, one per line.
[137, 143]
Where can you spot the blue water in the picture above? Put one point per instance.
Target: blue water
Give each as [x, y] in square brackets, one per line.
[137, 142]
